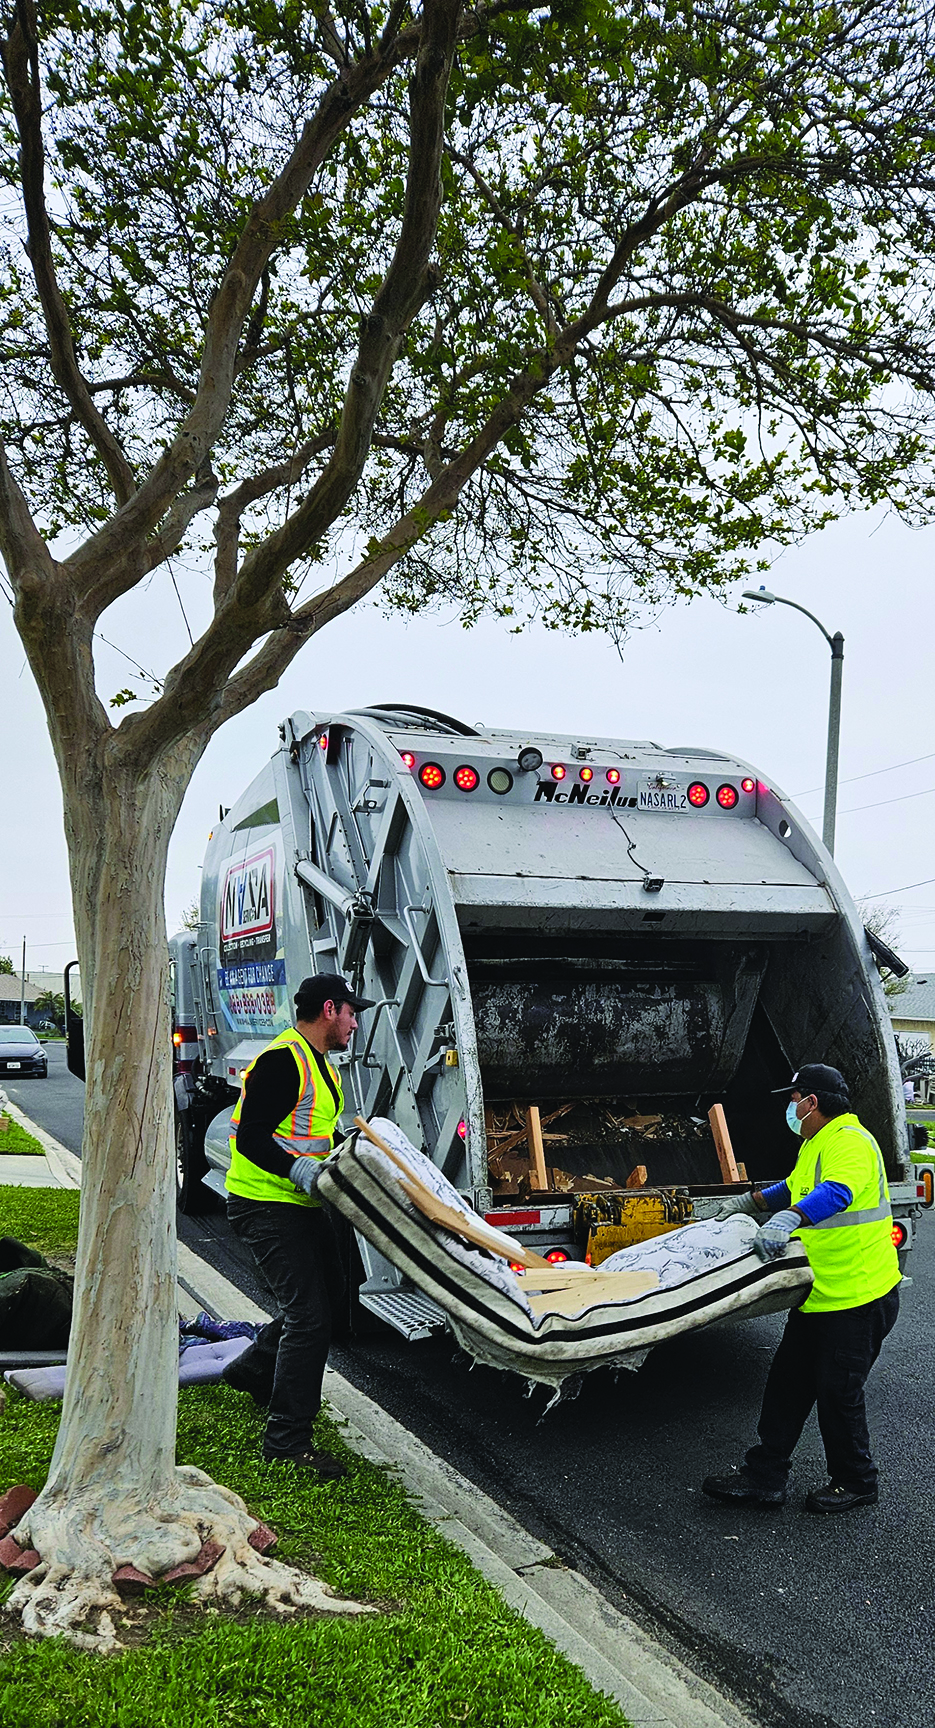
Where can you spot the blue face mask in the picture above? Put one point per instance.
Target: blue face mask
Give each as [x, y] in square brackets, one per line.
[791, 1117]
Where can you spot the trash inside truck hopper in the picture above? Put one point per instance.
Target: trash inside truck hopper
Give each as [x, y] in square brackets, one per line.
[576, 947]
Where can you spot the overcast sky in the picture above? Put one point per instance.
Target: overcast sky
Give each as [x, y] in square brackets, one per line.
[701, 674]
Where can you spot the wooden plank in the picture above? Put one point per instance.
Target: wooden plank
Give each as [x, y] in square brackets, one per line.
[477, 1233]
[560, 1277]
[742, 1172]
[540, 1180]
[723, 1147]
[604, 1287]
[638, 1177]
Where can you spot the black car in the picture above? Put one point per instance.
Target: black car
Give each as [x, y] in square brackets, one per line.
[21, 1052]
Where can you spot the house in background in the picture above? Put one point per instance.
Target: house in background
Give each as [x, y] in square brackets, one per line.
[11, 988]
[913, 1015]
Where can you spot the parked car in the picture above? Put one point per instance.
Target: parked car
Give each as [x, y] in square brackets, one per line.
[21, 1052]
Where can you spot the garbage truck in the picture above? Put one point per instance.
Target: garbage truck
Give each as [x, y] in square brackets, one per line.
[576, 948]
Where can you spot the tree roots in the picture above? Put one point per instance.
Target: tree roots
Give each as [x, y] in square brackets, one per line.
[71, 1592]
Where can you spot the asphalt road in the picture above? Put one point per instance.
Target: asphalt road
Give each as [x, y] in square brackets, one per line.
[811, 1623]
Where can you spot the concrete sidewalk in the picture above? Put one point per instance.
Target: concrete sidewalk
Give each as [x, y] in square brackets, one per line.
[653, 1688]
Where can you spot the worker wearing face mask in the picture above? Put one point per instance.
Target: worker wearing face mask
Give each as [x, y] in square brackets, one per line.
[836, 1202]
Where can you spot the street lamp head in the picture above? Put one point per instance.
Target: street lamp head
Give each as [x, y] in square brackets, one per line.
[762, 595]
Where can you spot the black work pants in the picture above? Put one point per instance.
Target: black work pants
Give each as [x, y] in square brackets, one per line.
[823, 1359]
[296, 1253]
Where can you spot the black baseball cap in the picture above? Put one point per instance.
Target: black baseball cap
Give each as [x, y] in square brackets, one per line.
[817, 1077]
[313, 993]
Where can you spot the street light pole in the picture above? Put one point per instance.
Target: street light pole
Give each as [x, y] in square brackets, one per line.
[836, 643]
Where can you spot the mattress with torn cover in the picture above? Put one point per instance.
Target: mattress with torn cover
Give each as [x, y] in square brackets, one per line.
[705, 1272]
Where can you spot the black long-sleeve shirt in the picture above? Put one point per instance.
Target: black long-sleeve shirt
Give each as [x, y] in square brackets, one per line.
[271, 1093]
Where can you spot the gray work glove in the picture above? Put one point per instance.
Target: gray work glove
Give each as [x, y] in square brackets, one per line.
[739, 1203]
[305, 1173]
[772, 1238]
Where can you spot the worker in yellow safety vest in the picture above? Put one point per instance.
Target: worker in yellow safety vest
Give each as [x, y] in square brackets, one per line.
[282, 1131]
[836, 1203]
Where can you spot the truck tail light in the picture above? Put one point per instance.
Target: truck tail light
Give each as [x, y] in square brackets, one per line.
[432, 776]
[586, 773]
[899, 1234]
[556, 1256]
[748, 785]
[613, 776]
[698, 794]
[928, 1187]
[323, 742]
[466, 778]
[462, 1129]
[408, 758]
[500, 780]
[727, 797]
[558, 772]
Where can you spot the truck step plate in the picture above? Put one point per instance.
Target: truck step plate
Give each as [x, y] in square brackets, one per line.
[414, 1315]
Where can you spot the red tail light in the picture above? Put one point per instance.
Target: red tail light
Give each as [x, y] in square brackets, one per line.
[432, 776]
[462, 1129]
[558, 772]
[727, 797]
[899, 1234]
[748, 785]
[613, 776]
[323, 741]
[408, 758]
[555, 1256]
[698, 794]
[586, 773]
[466, 778]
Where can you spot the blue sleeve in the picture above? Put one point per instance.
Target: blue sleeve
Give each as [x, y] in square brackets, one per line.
[777, 1197]
[824, 1201]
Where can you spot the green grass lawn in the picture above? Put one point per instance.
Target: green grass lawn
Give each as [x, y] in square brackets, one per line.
[15, 1139]
[444, 1651]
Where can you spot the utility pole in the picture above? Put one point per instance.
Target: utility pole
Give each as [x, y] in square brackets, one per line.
[763, 597]
[22, 989]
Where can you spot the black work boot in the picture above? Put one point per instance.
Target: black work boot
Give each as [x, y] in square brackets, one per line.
[739, 1489]
[834, 1498]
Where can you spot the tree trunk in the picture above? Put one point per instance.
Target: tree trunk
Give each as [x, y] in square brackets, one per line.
[115, 1495]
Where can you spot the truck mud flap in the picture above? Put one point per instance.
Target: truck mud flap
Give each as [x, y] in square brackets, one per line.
[707, 1272]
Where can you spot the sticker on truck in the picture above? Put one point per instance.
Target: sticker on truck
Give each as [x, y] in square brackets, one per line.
[252, 970]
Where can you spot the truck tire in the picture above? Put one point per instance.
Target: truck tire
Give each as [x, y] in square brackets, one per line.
[191, 1195]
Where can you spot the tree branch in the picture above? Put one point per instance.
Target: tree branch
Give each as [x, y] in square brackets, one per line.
[405, 286]
[230, 307]
[232, 506]
[21, 70]
[537, 293]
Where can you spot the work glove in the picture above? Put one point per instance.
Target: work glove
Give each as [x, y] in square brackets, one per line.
[739, 1203]
[305, 1173]
[772, 1237]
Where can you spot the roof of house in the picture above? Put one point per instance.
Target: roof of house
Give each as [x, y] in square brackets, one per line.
[11, 988]
[916, 1003]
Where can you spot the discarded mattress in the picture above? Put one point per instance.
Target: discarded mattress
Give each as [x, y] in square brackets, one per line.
[706, 1272]
[199, 1365]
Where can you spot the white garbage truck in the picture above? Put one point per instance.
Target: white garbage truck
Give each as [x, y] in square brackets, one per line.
[576, 947]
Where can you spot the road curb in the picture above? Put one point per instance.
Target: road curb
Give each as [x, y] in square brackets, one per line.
[652, 1687]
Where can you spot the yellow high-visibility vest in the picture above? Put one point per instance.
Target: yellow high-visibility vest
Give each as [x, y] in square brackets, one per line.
[851, 1254]
[307, 1133]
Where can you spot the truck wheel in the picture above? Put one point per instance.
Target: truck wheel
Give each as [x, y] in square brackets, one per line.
[191, 1195]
